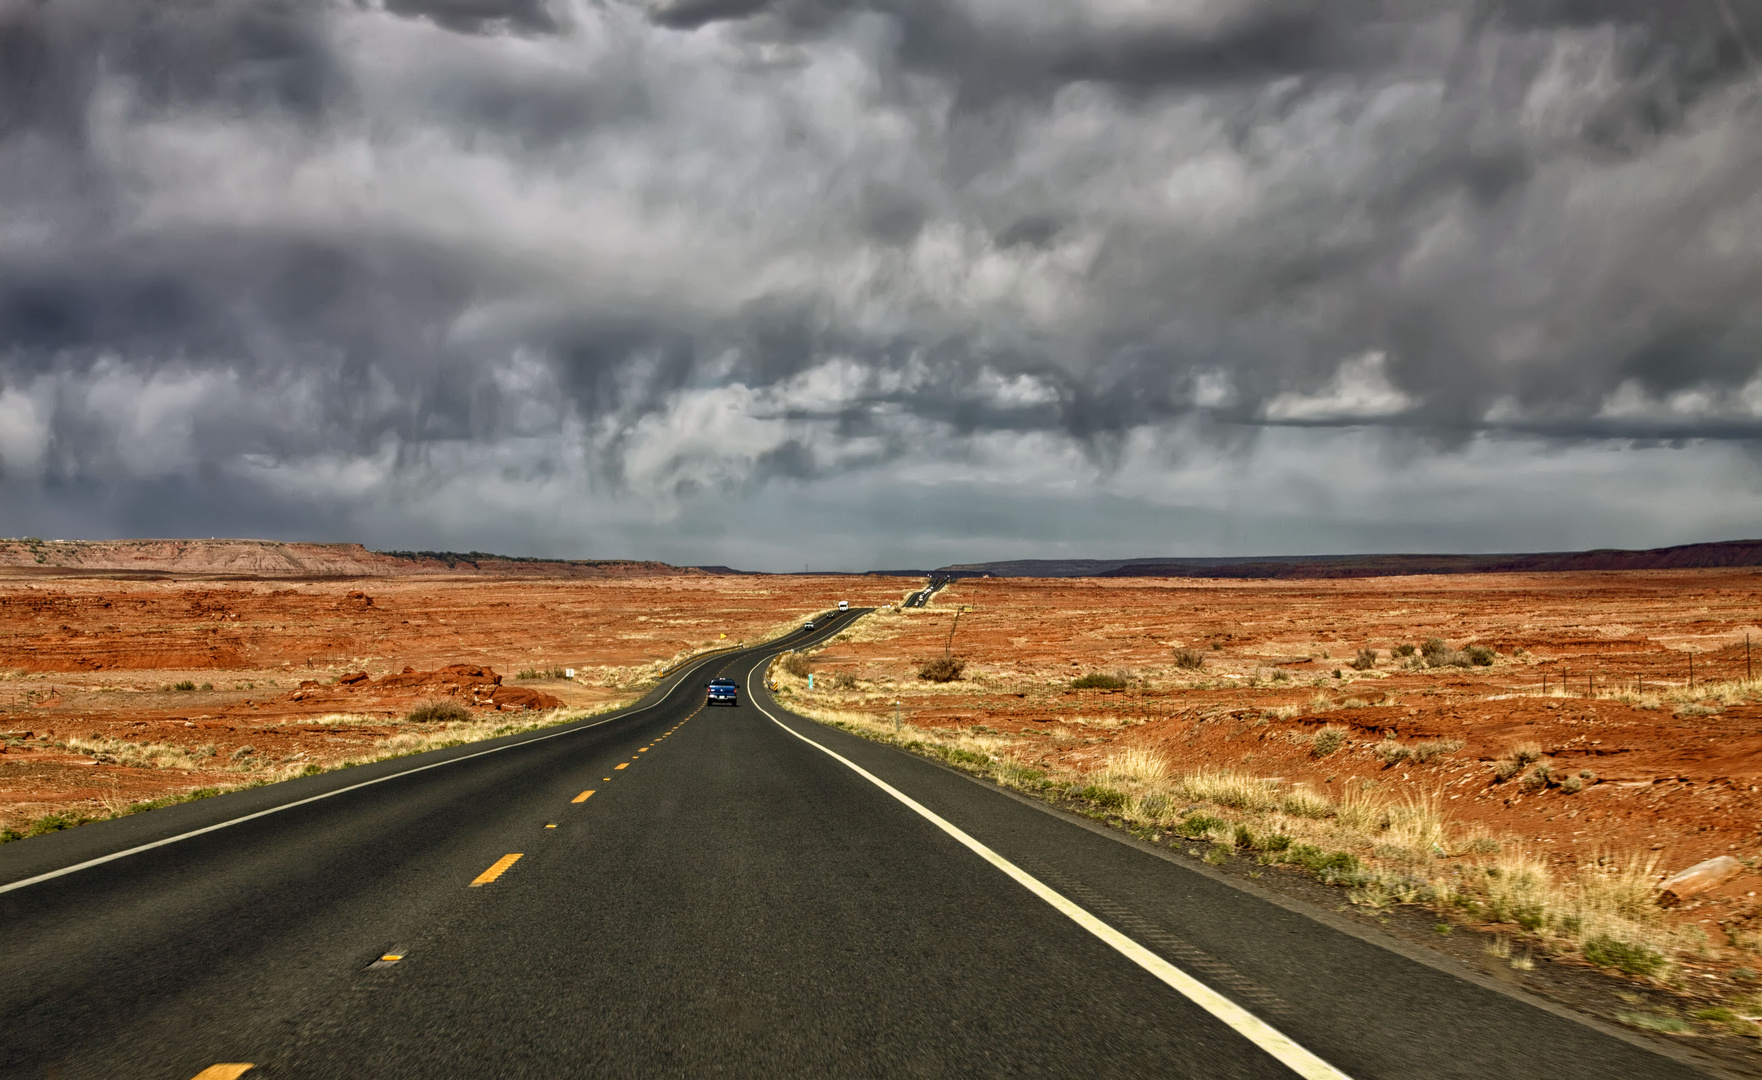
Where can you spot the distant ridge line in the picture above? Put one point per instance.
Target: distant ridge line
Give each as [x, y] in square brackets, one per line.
[1724, 553]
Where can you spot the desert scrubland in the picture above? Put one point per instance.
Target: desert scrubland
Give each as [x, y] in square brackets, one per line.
[1542, 769]
[118, 691]
[1523, 753]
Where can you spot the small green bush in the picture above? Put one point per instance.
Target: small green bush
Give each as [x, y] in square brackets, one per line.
[1281, 675]
[49, 823]
[1404, 651]
[954, 755]
[1105, 797]
[1539, 777]
[798, 664]
[1326, 741]
[183, 685]
[440, 710]
[1392, 753]
[1479, 655]
[1098, 680]
[1196, 825]
[1605, 951]
[1317, 861]
[1434, 650]
[1365, 660]
[1189, 659]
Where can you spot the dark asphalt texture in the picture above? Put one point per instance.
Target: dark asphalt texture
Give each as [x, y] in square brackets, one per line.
[733, 903]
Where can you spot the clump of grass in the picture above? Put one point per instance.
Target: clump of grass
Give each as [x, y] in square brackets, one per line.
[800, 666]
[529, 674]
[1304, 803]
[184, 684]
[1525, 753]
[242, 753]
[1189, 659]
[1281, 675]
[141, 755]
[1226, 787]
[1392, 753]
[1365, 660]
[438, 711]
[942, 669]
[1098, 680]
[1403, 650]
[1327, 741]
[1137, 765]
[1430, 750]
[1479, 655]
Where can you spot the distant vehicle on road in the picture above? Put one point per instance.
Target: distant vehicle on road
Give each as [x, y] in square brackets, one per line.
[722, 692]
[809, 625]
[844, 605]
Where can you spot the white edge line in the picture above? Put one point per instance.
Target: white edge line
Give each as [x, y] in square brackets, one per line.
[1257, 1031]
[113, 856]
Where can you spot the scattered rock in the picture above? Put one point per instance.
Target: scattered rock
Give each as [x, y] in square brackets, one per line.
[1698, 878]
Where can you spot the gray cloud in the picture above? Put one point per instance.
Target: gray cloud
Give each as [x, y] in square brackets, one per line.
[596, 269]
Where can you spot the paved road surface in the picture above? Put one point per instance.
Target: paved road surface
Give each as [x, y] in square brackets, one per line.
[731, 900]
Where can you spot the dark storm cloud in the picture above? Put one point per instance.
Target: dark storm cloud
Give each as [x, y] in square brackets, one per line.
[339, 254]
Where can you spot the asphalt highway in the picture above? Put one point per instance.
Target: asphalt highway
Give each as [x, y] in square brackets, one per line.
[743, 893]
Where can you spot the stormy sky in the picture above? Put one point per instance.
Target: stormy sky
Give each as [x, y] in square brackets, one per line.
[883, 284]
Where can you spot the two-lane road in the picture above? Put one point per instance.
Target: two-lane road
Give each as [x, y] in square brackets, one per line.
[744, 893]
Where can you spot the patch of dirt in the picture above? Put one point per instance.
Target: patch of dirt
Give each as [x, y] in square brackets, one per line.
[280, 674]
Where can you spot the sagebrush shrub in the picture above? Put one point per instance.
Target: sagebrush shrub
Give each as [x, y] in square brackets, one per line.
[438, 711]
[942, 669]
[1098, 680]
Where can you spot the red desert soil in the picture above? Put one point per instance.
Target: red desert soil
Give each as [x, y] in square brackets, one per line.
[315, 672]
[1674, 773]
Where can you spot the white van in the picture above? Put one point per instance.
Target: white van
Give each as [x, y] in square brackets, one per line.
[844, 605]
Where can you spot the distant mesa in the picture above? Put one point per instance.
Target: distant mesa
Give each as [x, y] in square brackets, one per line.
[223, 559]
[275, 559]
[1727, 553]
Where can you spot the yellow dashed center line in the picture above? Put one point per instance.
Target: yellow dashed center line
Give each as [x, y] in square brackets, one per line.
[625, 765]
[391, 958]
[583, 796]
[496, 869]
[227, 1071]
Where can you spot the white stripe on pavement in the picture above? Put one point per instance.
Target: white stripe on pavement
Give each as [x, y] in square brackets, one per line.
[1243, 1022]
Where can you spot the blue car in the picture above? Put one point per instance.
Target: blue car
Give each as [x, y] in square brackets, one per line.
[722, 692]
